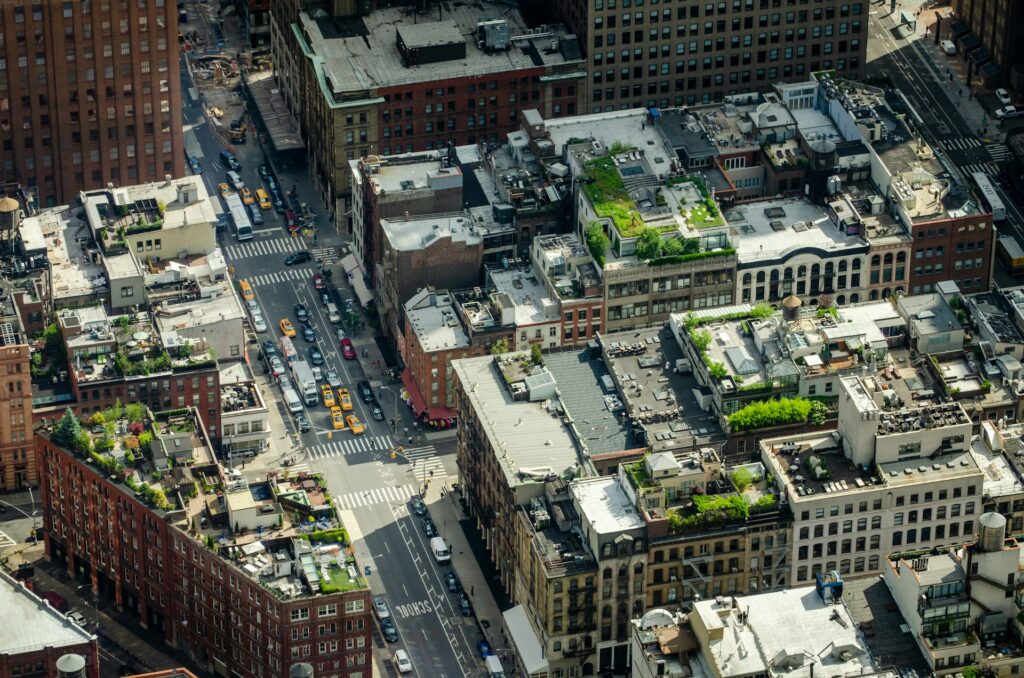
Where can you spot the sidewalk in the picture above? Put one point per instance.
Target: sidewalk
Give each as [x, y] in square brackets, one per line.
[446, 512]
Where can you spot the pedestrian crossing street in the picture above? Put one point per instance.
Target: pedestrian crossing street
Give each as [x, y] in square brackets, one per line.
[374, 497]
[259, 247]
[346, 446]
[278, 277]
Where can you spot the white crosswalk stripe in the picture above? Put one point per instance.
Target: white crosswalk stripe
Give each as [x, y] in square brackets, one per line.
[999, 152]
[295, 469]
[6, 541]
[346, 446]
[373, 497]
[961, 144]
[278, 277]
[259, 247]
[426, 461]
[983, 167]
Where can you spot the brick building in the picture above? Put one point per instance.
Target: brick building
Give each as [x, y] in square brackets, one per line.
[36, 636]
[17, 468]
[686, 55]
[995, 25]
[361, 87]
[271, 599]
[90, 93]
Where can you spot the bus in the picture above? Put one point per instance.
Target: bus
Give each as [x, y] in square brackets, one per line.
[239, 216]
[1012, 254]
[989, 197]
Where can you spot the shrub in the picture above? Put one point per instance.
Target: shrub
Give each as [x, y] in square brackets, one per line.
[648, 244]
[741, 479]
[770, 413]
[67, 429]
[597, 242]
[535, 355]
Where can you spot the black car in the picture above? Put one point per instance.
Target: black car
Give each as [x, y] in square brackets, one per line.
[465, 605]
[418, 507]
[301, 313]
[376, 411]
[315, 356]
[429, 528]
[365, 392]
[454, 585]
[389, 630]
[264, 172]
[298, 258]
[301, 422]
[307, 333]
[222, 221]
[269, 349]
[194, 166]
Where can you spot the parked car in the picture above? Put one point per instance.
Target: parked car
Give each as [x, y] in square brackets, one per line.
[483, 648]
[301, 313]
[319, 282]
[376, 411]
[418, 507]
[269, 349]
[301, 422]
[264, 172]
[325, 297]
[1004, 97]
[380, 606]
[403, 662]
[258, 323]
[307, 332]
[348, 351]
[315, 356]
[1009, 112]
[465, 605]
[276, 366]
[389, 630]
[365, 391]
[78, 618]
[278, 203]
[291, 220]
[298, 258]
[194, 166]
[452, 580]
[429, 529]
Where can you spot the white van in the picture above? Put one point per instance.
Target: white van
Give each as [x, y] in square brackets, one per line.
[440, 549]
[948, 47]
[494, 667]
[332, 313]
[236, 180]
[291, 400]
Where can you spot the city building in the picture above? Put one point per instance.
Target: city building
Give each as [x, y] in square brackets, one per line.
[401, 80]
[571, 277]
[997, 314]
[984, 31]
[720, 49]
[98, 100]
[996, 451]
[142, 512]
[35, 636]
[244, 417]
[433, 338]
[255, 16]
[17, 463]
[890, 477]
[959, 603]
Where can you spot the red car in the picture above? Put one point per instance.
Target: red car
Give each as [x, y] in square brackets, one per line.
[319, 282]
[292, 221]
[347, 349]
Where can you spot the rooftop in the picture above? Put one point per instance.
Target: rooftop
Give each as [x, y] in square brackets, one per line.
[993, 312]
[779, 633]
[362, 54]
[163, 205]
[529, 439]
[418, 233]
[928, 313]
[238, 390]
[627, 128]
[433, 318]
[772, 229]
[408, 175]
[199, 313]
[568, 264]
[75, 261]
[30, 624]
[605, 505]
[522, 290]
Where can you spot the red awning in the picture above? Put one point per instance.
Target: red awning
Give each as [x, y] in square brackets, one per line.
[419, 405]
[437, 413]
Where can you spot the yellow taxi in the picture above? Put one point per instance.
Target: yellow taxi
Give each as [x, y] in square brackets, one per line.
[328, 394]
[287, 329]
[246, 289]
[247, 196]
[337, 419]
[345, 398]
[355, 425]
[225, 189]
[263, 199]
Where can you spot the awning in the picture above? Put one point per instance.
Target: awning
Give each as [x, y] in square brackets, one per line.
[528, 648]
[990, 71]
[440, 413]
[958, 28]
[980, 56]
[416, 401]
[968, 42]
[355, 278]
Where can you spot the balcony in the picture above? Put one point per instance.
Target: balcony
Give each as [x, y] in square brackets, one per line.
[960, 642]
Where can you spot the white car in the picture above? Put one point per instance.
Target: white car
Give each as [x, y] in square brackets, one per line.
[78, 618]
[1008, 112]
[1004, 97]
[403, 662]
[258, 323]
[253, 307]
[333, 379]
[284, 382]
[318, 374]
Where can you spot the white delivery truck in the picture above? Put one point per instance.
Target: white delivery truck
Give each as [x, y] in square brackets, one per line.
[494, 667]
[305, 382]
[291, 400]
[440, 549]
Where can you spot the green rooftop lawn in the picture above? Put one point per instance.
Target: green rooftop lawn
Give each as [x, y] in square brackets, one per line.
[340, 581]
[609, 197]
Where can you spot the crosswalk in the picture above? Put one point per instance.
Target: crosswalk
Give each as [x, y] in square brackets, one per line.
[380, 495]
[346, 446]
[278, 277]
[999, 152]
[990, 168]
[428, 465]
[259, 247]
[961, 143]
[6, 541]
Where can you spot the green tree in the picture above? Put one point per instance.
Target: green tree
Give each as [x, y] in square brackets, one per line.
[535, 355]
[133, 412]
[67, 429]
[648, 244]
[82, 442]
[741, 479]
[597, 242]
[499, 347]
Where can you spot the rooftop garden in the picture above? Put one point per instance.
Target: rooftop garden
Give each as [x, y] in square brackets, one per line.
[637, 472]
[702, 212]
[702, 338]
[339, 581]
[597, 242]
[603, 185]
[706, 512]
[658, 251]
[48, 353]
[764, 413]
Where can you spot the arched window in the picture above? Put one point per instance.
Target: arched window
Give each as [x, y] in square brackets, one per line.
[775, 275]
[829, 269]
[606, 573]
[856, 264]
[760, 277]
[747, 278]
[843, 266]
[788, 273]
[886, 293]
[901, 257]
[876, 260]
[841, 299]
[815, 270]
[888, 259]
[801, 272]
[873, 296]
[854, 298]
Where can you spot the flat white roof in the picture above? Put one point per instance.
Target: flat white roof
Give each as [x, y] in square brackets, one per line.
[435, 322]
[793, 624]
[422, 232]
[530, 651]
[527, 293]
[525, 436]
[200, 312]
[74, 273]
[772, 229]
[626, 127]
[30, 623]
[606, 505]
[998, 479]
